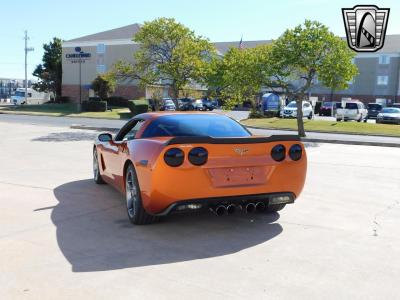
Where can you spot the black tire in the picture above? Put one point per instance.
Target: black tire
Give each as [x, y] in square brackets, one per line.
[310, 116]
[360, 119]
[96, 169]
[275, 207]
[134, 207]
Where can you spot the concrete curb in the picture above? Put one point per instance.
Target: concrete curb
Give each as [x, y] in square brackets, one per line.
[358, 143]
[306, 140]
[100, 129]
[328, 132]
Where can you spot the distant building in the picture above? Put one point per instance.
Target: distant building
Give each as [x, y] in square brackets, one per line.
[9, 85]
[378, 78]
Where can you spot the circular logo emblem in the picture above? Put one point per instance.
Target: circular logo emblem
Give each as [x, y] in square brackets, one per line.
[78, 49]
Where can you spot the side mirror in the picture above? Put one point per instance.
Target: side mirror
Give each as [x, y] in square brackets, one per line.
[105, 137]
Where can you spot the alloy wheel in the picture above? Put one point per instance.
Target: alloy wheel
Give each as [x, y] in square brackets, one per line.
[131, 193]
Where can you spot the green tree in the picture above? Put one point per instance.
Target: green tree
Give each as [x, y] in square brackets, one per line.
[49, 72]
[304, 53]
[236, 76]
[104, 85]
[169, 54]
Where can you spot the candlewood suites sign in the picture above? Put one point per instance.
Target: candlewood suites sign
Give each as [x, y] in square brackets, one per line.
[79, 56]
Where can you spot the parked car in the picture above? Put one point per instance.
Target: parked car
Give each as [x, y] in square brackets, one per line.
[185, 104]
[373, 110]
[389, 115]
[328, 109]
[354, 110]
[396, 105]
[223, 167]
[198, 104]
[208, 104]
[167, 104]
[290, 110]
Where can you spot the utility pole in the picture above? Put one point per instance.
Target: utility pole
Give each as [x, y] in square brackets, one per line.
[26, 38]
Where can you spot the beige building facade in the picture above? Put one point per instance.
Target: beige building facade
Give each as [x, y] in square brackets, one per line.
[86, 57]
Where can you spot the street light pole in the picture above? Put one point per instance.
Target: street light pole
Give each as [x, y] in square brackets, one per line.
[26, 38]
[80, 82]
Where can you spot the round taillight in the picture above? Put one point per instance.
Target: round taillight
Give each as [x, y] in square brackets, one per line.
[174, 157]
[295, 152]
[198, 156]
[278, 153]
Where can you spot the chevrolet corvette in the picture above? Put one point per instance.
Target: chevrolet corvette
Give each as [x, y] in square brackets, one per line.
[177, 162]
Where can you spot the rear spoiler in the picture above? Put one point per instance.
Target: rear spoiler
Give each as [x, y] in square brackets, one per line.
[239, 140]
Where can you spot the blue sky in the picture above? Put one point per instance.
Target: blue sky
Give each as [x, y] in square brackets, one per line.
[219, 20]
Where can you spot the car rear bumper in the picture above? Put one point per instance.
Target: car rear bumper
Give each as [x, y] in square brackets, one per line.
[392, 121]
[348, 117]
[162, 186]
[198, 205]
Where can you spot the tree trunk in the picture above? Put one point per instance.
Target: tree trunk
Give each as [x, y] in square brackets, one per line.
[175, 91]
[300, 124]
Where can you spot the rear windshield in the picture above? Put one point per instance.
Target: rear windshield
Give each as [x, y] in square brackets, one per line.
[348, 105]
[195, 125]
[391, 110]
[329, 104]
[374, 106]
[351, 105]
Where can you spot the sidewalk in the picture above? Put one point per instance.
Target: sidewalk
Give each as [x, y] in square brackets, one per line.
[114, 125]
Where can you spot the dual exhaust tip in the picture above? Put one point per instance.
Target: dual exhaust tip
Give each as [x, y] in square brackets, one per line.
[220, 210]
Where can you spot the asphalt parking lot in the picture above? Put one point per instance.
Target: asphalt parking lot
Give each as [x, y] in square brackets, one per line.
[64, 237]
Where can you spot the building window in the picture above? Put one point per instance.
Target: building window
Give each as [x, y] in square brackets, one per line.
[101, 49]
[100, 69]
[382, 80]
[384, 59]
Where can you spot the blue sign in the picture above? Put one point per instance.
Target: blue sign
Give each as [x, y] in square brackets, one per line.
[270, 101]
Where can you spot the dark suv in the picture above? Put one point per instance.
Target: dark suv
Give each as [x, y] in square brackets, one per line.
[186, 104]
[326, 109]
[373, 110]
[208, 104]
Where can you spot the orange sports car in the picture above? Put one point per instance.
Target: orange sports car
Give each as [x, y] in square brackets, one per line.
[180, 162]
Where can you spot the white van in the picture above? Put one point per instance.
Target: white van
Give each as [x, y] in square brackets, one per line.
[33, 97]
[354, 110]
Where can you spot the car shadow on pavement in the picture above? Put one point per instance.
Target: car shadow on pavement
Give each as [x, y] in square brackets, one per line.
[66, 137]
[94, 234]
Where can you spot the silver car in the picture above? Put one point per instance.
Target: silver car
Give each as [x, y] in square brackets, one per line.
[389, 115]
